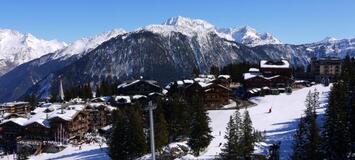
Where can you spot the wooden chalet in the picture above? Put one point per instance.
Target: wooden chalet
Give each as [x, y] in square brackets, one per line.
[272, 77]
[99, 115]
[216, 95]
[72, 123]
[139, 87]
[213, 95]
[271, 68]
[224, 80]
[37, 131]
[54, 122]
[15, 107]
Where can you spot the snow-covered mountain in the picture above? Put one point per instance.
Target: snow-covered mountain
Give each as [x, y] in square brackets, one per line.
[86, 44]
[245, 35]
[163, 52]
[332, 47]
[248, 36]
[17, 48]
[16, 82]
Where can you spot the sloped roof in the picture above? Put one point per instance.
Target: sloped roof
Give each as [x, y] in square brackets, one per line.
[271, 64]
[127, 84]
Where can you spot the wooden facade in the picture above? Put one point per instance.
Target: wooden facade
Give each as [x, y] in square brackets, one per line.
[213, 95]
[216, 95]
[224, 81]
[271, 68]
[271, 82]
[57, 128]
[98, 116]
[256, 82]
[15, 107]
[37, 131]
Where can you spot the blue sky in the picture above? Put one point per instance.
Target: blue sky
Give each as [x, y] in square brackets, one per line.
[292, 21]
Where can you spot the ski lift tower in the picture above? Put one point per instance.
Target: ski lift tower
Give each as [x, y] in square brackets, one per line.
[150, 108]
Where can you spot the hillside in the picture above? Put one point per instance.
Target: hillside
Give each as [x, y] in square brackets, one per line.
[279, 125]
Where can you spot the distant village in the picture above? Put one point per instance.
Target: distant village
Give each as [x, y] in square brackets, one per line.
[46, 126]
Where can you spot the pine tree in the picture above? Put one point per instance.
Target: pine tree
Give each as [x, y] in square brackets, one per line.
[127, 139]
[118, 143]
[137, 140]
[32, 99]
[336, 130]
[247, 139]
[214, 70]
[98, 91]
[307, 139]
[313, 150]
[232, 149]
[195, 72]
[228, 148]
[160, 128]
[178, 116]
[200, 136]
[299, 141]
[309, 112]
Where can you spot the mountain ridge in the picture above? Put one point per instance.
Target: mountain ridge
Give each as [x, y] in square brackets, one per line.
[172, 49]
[17, 48]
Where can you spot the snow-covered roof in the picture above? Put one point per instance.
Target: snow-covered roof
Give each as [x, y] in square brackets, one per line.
[126, 84]
[205, 78]
[77, 100]
[155, 93]
[106, 128]
[180, 83]
[20, 121]
[11, 104]
[126, 98]
[138, 96]
[96, 105]
[272, 77]
[270, 64]
[299, 81]
[250, 75]
[189, 81]
[103, 98]
[69, 112]
[254, 70]
[266, 88]
[203, 85]
[41, 116]
[224, 76]
[165, 91]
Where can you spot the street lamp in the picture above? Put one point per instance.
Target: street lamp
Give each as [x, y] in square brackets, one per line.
[150, 108]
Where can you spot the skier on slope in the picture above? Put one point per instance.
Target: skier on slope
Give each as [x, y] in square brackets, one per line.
[270, 109]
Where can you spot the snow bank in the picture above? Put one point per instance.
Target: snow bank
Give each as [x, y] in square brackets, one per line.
[87, 152]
